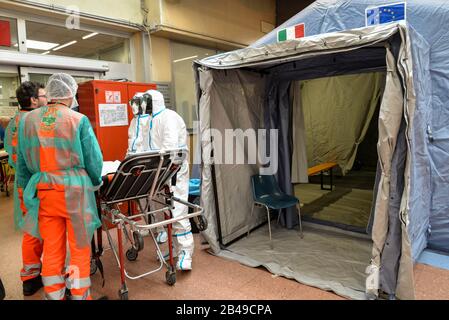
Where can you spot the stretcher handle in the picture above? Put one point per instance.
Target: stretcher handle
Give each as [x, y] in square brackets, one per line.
[167, 222]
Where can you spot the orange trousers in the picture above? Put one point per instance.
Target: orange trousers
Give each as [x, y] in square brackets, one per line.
[31, 251]
[31, 257]
[56, 228]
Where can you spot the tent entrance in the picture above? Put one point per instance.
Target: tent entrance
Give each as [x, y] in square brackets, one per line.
[336, 120]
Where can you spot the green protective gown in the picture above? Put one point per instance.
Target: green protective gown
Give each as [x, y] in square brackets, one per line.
[58, 151]
[11, 149]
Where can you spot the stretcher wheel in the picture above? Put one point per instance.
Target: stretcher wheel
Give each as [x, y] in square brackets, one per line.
[93, 267]
[201, 223]
[170, 277]
[132, 254]
[138, 241]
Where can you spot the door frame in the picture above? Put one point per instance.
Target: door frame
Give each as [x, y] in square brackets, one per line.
[26, 71]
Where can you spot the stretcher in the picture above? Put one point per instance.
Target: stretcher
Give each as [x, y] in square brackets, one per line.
[6, 173]
[126, 202]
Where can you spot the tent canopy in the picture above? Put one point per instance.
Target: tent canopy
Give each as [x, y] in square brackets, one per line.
[250, 88]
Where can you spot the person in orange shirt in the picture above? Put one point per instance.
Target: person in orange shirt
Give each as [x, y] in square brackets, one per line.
[30, 96]
[59, 166]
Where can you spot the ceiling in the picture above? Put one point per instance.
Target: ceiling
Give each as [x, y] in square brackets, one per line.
[82, 49]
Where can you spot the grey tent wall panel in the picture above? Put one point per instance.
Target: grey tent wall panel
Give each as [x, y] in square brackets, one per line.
[420, 203]
[208, 201]
[278, 110]
[231, 90]
[392, 249]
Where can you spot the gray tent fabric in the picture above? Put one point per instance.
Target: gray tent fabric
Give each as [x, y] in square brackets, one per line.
[421, 222]
[308, 260]
[299, 157]
[279, 111]
[208, 198]
[414, 55]
[338, 112]
[427, 23]
[393, 243]
[234, 194]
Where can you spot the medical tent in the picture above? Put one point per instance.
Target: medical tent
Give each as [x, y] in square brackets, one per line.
[371, 53]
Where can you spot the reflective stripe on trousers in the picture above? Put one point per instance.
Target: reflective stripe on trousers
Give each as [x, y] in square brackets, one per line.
[31, 257]
[74, 283]
[30, 271]
[81, 294]
[54, 287]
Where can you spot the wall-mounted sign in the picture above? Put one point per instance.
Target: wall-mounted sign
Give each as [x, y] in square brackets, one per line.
[113, 115]
[117, 97]
[165, 89]
[113, 97]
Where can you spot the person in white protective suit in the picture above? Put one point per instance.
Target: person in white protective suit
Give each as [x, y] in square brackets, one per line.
[139, 135]
[139, 129]
[166, 130]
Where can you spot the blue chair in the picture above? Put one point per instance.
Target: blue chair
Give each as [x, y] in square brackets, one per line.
[266, 193]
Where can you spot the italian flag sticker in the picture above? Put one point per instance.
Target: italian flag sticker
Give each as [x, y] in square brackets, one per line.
[291, 33]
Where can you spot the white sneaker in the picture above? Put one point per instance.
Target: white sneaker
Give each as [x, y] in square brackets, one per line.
[162, 237]
[184, 262]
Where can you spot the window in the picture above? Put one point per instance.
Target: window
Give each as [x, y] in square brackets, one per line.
[183, 56]
[60, 41]
[8, 34]
[8, 85]
[43, 78]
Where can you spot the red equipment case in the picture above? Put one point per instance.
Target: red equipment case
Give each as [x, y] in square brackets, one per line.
[113, 139]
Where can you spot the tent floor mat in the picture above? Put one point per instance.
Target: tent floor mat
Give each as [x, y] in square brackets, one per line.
[326, 259]
[343, 206]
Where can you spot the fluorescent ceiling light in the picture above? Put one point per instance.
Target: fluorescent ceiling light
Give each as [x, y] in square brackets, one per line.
[183, 59]
[40, 45]
[90, 35]
[65, 45]
[46, 52]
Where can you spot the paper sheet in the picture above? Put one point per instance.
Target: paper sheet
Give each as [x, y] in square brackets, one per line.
[110, 167]
[112, 115]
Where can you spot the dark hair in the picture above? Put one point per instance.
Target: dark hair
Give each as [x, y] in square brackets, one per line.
[26, 91]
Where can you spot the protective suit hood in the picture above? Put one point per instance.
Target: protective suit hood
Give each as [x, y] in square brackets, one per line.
[158, 101]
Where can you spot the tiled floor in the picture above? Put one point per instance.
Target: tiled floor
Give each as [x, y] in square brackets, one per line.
[212, 278]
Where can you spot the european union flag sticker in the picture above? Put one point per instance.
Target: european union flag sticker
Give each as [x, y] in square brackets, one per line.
[385, 14]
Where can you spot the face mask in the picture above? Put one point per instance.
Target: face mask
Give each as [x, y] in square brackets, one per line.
[148, 104]
[74, 106]
[135, 106]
